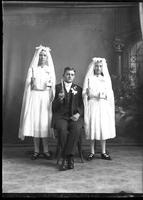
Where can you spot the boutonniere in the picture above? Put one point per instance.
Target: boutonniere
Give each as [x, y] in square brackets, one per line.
[74, 91]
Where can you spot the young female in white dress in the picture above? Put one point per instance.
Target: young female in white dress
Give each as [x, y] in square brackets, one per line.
[39, 92]
[99, 108]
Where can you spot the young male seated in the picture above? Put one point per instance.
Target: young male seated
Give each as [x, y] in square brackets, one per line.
[68, 116]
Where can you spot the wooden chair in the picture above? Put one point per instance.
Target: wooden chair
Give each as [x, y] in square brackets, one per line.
[58, 148]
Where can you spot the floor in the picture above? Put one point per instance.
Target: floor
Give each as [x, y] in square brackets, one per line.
[122, 175]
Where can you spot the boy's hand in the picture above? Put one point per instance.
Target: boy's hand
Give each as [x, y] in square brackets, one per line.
[75, 117]
[61, 95]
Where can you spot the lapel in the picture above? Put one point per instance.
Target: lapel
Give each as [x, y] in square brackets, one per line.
[74, 88]
[70, 93]
[73, 97]
[71, 87]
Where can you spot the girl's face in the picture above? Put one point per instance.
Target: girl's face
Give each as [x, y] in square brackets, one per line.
[98, 68]
[42, 57]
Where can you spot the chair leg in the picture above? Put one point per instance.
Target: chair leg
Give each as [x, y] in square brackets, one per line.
[58, 152]
[95, 149]
[79, 144]
[59, 156]
[57, 149]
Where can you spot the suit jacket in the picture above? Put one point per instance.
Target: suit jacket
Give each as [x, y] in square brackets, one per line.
[76, 103]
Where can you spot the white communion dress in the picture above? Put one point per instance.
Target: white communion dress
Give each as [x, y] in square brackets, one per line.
[36, 120]
[101, 122]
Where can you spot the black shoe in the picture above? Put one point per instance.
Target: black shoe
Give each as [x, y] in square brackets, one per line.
[91, 156]
[105, 156]
[71, 162]
[47, 155]
[64, 166]
[35, 155]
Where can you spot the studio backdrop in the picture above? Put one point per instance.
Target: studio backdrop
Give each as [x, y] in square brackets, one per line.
[75, 34]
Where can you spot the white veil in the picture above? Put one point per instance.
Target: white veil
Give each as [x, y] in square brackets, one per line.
[27, 89]
[110, 99]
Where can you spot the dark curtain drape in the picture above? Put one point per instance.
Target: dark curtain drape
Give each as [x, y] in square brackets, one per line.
[16, 58]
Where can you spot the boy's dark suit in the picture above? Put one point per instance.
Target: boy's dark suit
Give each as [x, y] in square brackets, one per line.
[68, 130]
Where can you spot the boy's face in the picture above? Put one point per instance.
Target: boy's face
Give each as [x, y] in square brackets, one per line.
[69, 76]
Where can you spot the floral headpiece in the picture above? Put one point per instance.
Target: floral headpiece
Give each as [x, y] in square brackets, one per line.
[97, 60]
[43, 47]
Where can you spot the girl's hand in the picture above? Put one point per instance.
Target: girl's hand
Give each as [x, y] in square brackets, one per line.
[90, 95]
[103, 95]
[75, 117]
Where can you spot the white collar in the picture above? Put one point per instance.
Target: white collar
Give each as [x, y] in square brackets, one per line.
[99, 76]
[67, 86]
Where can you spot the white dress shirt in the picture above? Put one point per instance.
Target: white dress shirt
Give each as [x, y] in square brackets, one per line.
[67, 86]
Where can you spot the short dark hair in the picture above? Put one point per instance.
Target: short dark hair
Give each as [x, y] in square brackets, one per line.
[69, 69]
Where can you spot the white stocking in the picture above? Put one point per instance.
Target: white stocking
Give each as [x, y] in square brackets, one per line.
[36, 145]
[92, 146]
[103, 146]
[45, 144]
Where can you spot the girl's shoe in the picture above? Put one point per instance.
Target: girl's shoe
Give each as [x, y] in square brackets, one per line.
[91, 156]
[35, 155]
[105, 156]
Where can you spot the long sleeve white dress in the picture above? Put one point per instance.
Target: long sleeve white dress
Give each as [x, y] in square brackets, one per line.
[99, 117]
[36, 113]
